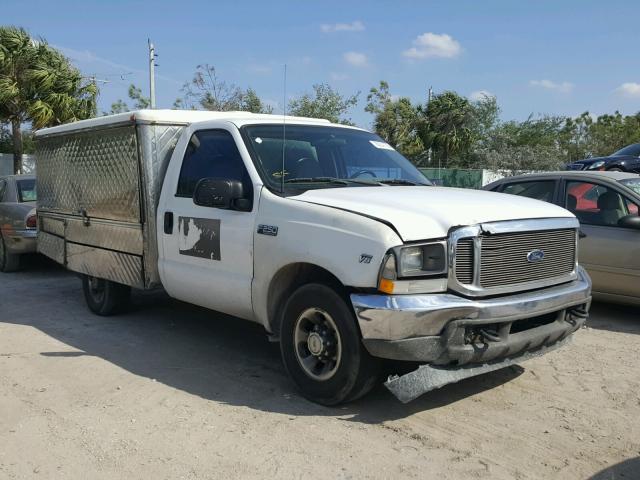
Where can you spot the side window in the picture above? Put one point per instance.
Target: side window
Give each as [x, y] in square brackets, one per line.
[595, 204]
[632, 207]
[212, 154]
[3, 187]
[539, 190]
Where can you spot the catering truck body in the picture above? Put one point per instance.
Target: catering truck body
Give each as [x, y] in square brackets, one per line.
[322, 233]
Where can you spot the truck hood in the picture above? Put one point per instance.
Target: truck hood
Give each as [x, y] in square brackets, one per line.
[421, 213]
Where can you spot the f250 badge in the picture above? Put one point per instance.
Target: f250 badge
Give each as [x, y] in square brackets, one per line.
[366, 258]
[270, 230]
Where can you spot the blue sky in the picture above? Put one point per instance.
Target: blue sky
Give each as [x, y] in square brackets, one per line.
[555, 57]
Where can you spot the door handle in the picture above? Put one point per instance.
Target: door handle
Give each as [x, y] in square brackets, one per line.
[168, 223]
[581, 234]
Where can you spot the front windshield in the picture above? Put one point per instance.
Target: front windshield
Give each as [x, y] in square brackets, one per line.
[631, 150]
[27, 190]
[632, 183]
[322, 157]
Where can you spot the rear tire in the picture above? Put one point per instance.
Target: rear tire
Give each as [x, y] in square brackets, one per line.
[9, 262]
[322, 349]
[104, 297]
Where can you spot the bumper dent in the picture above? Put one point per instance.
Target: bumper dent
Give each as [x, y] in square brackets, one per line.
[20, 241]
[396, 317]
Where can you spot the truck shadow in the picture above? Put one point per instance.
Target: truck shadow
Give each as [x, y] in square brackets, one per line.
[627, 469]
[613, 317]
[211, 355]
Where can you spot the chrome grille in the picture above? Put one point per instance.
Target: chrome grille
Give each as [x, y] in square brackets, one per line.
[464, 261]
[504, 260]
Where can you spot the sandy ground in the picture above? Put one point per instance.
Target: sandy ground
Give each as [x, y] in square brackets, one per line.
[172, 391]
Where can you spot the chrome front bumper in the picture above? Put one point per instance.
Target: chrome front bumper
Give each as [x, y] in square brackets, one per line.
[434, 328]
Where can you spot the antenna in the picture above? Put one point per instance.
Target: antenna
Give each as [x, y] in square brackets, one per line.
[284, 125]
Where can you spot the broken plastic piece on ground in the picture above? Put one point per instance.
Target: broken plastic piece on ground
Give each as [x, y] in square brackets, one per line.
[431, 377]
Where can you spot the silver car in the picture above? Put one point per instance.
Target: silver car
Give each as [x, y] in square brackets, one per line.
[18, 219]
[608, 207]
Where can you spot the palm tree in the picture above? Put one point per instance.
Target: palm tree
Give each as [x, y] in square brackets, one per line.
[39, 85]
[446, 125]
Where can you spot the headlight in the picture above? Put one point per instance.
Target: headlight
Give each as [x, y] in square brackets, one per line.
[414, 268]
[421, 260]
[596, 165]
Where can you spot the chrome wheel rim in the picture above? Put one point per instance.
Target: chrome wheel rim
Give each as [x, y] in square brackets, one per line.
[317, 344]
[96, 289]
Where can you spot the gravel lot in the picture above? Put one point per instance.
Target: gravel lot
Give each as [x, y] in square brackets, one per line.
[173, 391]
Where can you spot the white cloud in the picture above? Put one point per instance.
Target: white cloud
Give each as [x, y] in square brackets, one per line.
[478, 95]
[429, 45]
[356, 59]
[564, 87]
[85, 56]
[338, 76]
[259, 69]
[630, 89]
[356, 26]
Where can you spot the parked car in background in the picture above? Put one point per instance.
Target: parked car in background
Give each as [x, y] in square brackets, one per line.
[17, 219]
[607, 204]
[626, 159]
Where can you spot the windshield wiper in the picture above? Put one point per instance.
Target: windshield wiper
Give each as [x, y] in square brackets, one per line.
[400, 181]
[317, 180]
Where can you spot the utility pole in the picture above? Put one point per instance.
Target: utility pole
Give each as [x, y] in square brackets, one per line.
[428, 102]
[152, 74]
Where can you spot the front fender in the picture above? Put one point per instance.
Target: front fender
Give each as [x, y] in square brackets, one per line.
[347, 245]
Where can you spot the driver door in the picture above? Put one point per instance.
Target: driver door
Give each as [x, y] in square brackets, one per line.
[207, 252]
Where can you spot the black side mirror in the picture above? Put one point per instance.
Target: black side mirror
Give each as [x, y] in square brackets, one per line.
[227, 194]
[630, 221]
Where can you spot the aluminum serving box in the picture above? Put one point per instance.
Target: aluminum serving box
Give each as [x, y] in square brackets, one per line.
[99, 183]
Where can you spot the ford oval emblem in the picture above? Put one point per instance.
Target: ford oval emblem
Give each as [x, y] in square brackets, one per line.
[535, 256]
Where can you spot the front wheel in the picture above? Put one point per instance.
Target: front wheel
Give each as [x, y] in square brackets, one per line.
[321, 347]
[104, 297]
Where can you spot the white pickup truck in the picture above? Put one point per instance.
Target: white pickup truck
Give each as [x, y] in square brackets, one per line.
[322, 233]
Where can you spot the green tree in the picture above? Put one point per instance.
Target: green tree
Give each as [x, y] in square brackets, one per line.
[395, 120]
[485, 117]
[324, 102]
[6, 140]
[251, 102]
[135, 94]
[446, 125]
[608, 133]
[118, 106]
[39, 85]
[208, 91]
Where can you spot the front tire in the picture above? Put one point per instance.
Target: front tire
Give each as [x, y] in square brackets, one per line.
[321, 347]
[9, 262]
[104, 297]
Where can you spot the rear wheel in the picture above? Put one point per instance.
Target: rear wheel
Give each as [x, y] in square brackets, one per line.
[9, 262]
[104, 297]
[322, 349]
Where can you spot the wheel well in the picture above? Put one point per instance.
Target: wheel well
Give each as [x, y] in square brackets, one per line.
[290, 278]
